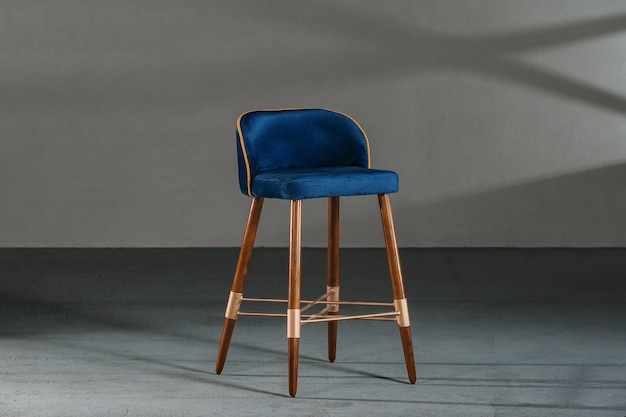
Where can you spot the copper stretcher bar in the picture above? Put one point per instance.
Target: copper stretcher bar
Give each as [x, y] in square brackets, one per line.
[321, 315]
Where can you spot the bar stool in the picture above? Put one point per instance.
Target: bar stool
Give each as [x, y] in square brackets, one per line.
[297, 154]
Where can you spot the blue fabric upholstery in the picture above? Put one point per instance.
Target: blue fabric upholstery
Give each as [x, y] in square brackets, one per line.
[301, 183]
[306, 153]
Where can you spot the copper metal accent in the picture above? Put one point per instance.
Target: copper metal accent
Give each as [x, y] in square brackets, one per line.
[314, 302]
[403, 312]
[293, 323]
[255, 314]
[321, 313]
[326, 299]
[266, 300]
[319, 301]
[234, 303]
[331, 300]
[307, 316]
[332, 297]
[354, 317]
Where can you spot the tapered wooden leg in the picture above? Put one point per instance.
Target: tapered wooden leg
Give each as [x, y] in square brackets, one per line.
[397, 284]
[407, 347]
[227, 333]
[293, 303]
[332, 282]
[241, 272]
[293, 352]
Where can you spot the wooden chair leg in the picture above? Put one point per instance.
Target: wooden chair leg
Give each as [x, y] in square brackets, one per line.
[241, 272]
[293, 303]
[397, 284]
[332, 282]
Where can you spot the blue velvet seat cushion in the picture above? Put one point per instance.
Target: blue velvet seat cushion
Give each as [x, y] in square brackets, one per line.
[302, 183]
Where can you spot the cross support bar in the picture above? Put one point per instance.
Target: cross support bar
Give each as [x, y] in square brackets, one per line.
[332, 296]
[334, 318]
[295, 318]
[319, 301]
[355, 317]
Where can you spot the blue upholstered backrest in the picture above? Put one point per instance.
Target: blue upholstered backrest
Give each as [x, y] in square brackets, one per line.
[297, 138]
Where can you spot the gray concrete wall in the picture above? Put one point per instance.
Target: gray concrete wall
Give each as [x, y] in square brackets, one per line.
[504, 119]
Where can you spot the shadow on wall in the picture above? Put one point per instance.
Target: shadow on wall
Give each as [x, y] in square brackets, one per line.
[557, 208]
[387, 48]
[560, 209]
[119, 118]
[310, 45]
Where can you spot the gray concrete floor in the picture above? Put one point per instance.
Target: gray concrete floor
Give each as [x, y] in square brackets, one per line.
[135, 333]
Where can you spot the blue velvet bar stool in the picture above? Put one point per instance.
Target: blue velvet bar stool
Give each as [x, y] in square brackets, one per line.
[297, 154]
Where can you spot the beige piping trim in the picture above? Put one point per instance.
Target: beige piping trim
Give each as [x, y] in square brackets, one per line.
[245, 154]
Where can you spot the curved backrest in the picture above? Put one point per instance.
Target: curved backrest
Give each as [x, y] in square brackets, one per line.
[297, 138]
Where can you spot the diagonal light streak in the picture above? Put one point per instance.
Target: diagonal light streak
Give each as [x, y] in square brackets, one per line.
[412, 48]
